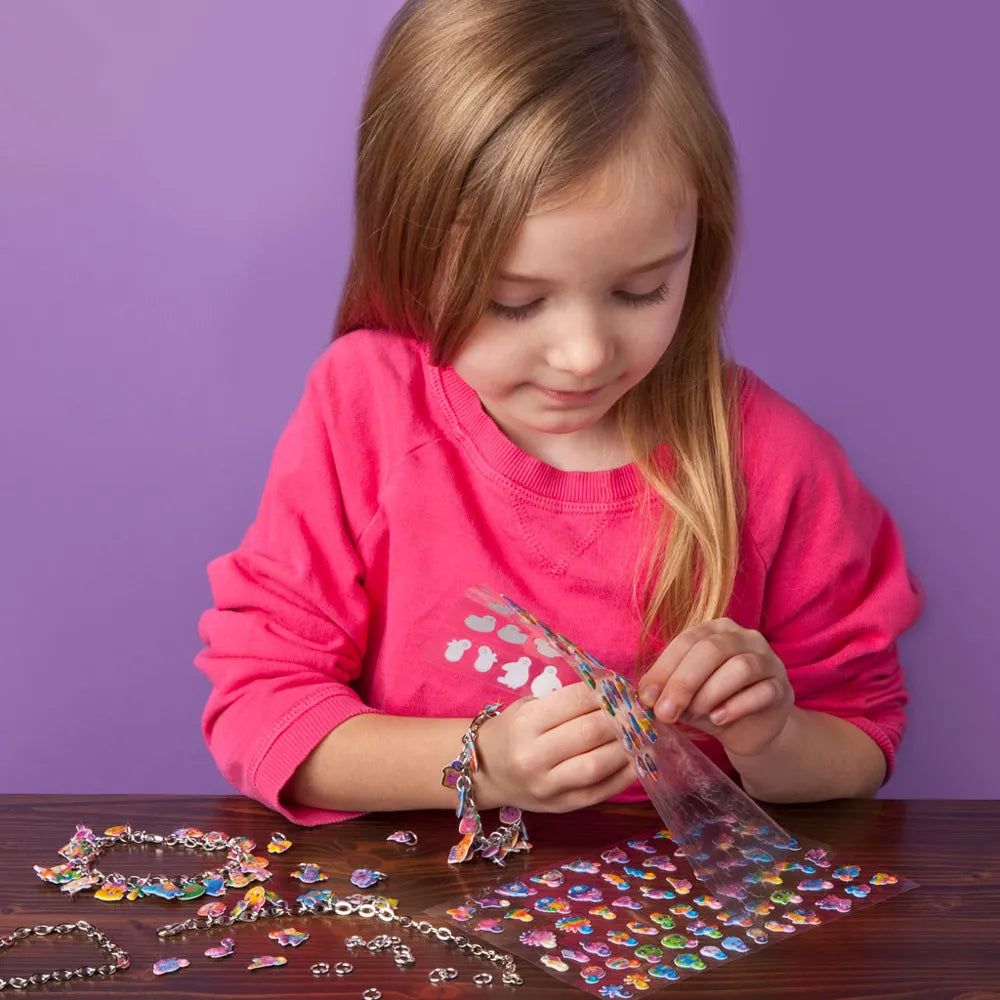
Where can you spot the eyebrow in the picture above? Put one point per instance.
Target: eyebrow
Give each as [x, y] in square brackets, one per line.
[653, 265]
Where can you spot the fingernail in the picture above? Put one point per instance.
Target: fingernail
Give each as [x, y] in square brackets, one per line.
[648, 695]
[718, 717]
[667, 710]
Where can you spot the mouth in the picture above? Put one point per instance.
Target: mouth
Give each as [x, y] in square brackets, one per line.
[574, 397]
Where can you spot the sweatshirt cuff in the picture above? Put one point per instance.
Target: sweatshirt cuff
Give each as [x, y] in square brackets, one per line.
[297, 736]
[881, 738]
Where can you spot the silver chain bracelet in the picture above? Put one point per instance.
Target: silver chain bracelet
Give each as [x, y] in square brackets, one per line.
[325, 901]
[120, 959]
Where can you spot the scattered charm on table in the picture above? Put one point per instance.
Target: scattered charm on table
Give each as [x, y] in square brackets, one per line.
[266, 962]
[364, 878]
[222, 950]
[289, 937]
[163, 966]
[279, 844]
[309, 872]
[407, 837]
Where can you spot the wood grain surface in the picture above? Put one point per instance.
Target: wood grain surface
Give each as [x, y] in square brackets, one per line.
[940, 940]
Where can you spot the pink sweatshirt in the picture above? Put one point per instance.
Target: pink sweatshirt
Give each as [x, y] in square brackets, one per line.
[391, 492]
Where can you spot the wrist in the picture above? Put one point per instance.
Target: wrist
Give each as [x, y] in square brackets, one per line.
[461, 775]
[490, 793]
[783, 742]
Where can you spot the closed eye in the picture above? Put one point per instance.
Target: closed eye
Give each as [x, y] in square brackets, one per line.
[647, 298]
[530, 308]
[514, 312]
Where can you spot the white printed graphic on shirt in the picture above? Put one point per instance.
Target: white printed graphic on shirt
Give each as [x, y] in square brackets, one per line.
[511, 633]
[545, 648]
[546, 682]
[455, 649]
[485, 659]
[515, 673]
[534, 674]
[483, 623]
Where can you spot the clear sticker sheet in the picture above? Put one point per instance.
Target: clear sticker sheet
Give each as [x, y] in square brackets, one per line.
[720, 880]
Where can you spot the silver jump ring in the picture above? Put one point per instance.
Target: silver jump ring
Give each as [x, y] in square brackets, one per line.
[355, 941]
[320, 969]
[372, 994]
[482, 979]
[343, 968]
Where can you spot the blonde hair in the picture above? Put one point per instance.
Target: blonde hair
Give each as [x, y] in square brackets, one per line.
[479, 109]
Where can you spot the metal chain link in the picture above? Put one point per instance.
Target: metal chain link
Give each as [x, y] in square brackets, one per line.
[119, 956]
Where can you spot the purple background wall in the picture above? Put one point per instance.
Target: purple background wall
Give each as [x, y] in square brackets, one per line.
[174, 223]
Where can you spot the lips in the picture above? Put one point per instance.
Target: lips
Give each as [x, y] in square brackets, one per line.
[577, 396]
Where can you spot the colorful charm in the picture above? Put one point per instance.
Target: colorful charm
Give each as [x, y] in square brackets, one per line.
[279, 844]
[222, 950]
[167, 965]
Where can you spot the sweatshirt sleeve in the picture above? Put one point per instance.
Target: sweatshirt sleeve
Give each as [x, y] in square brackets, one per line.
[287, 632]
[837, 593]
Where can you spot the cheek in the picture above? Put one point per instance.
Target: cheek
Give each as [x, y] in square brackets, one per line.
[651, 338]
[484, 361]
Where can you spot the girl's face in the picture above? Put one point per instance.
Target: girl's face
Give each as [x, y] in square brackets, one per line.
[585, 304]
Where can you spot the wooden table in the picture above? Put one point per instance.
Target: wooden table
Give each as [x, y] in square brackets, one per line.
[941, 940]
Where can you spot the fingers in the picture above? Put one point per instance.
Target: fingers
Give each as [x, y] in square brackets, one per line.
[616, 780]
[651, 683]
[578, 736]
[738, 672]
[756, 698]
[703, 667]
[588, 770]
[561, 706]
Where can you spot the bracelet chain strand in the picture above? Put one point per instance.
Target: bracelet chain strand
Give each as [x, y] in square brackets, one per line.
[120, 959]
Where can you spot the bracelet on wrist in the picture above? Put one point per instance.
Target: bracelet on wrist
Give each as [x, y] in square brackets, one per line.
[508, 838]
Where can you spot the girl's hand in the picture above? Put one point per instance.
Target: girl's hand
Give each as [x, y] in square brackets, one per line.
[551, 754]
[724, 680]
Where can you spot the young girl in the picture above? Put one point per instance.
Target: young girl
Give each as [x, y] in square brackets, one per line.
[527, 391]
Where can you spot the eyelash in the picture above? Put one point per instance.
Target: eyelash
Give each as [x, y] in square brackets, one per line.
[626, 298]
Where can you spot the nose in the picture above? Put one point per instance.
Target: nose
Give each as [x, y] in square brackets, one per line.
[581, 347]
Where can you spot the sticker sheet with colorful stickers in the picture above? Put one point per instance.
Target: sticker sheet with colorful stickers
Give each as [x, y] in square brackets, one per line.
[732, 879]
[687, 789]
[690, 794]
[634, 916]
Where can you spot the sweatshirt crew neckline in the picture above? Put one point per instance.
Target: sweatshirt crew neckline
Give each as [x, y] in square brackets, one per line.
[477, 430]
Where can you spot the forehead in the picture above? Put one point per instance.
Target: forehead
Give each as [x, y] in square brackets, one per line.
[630, 207]
[636, 173]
